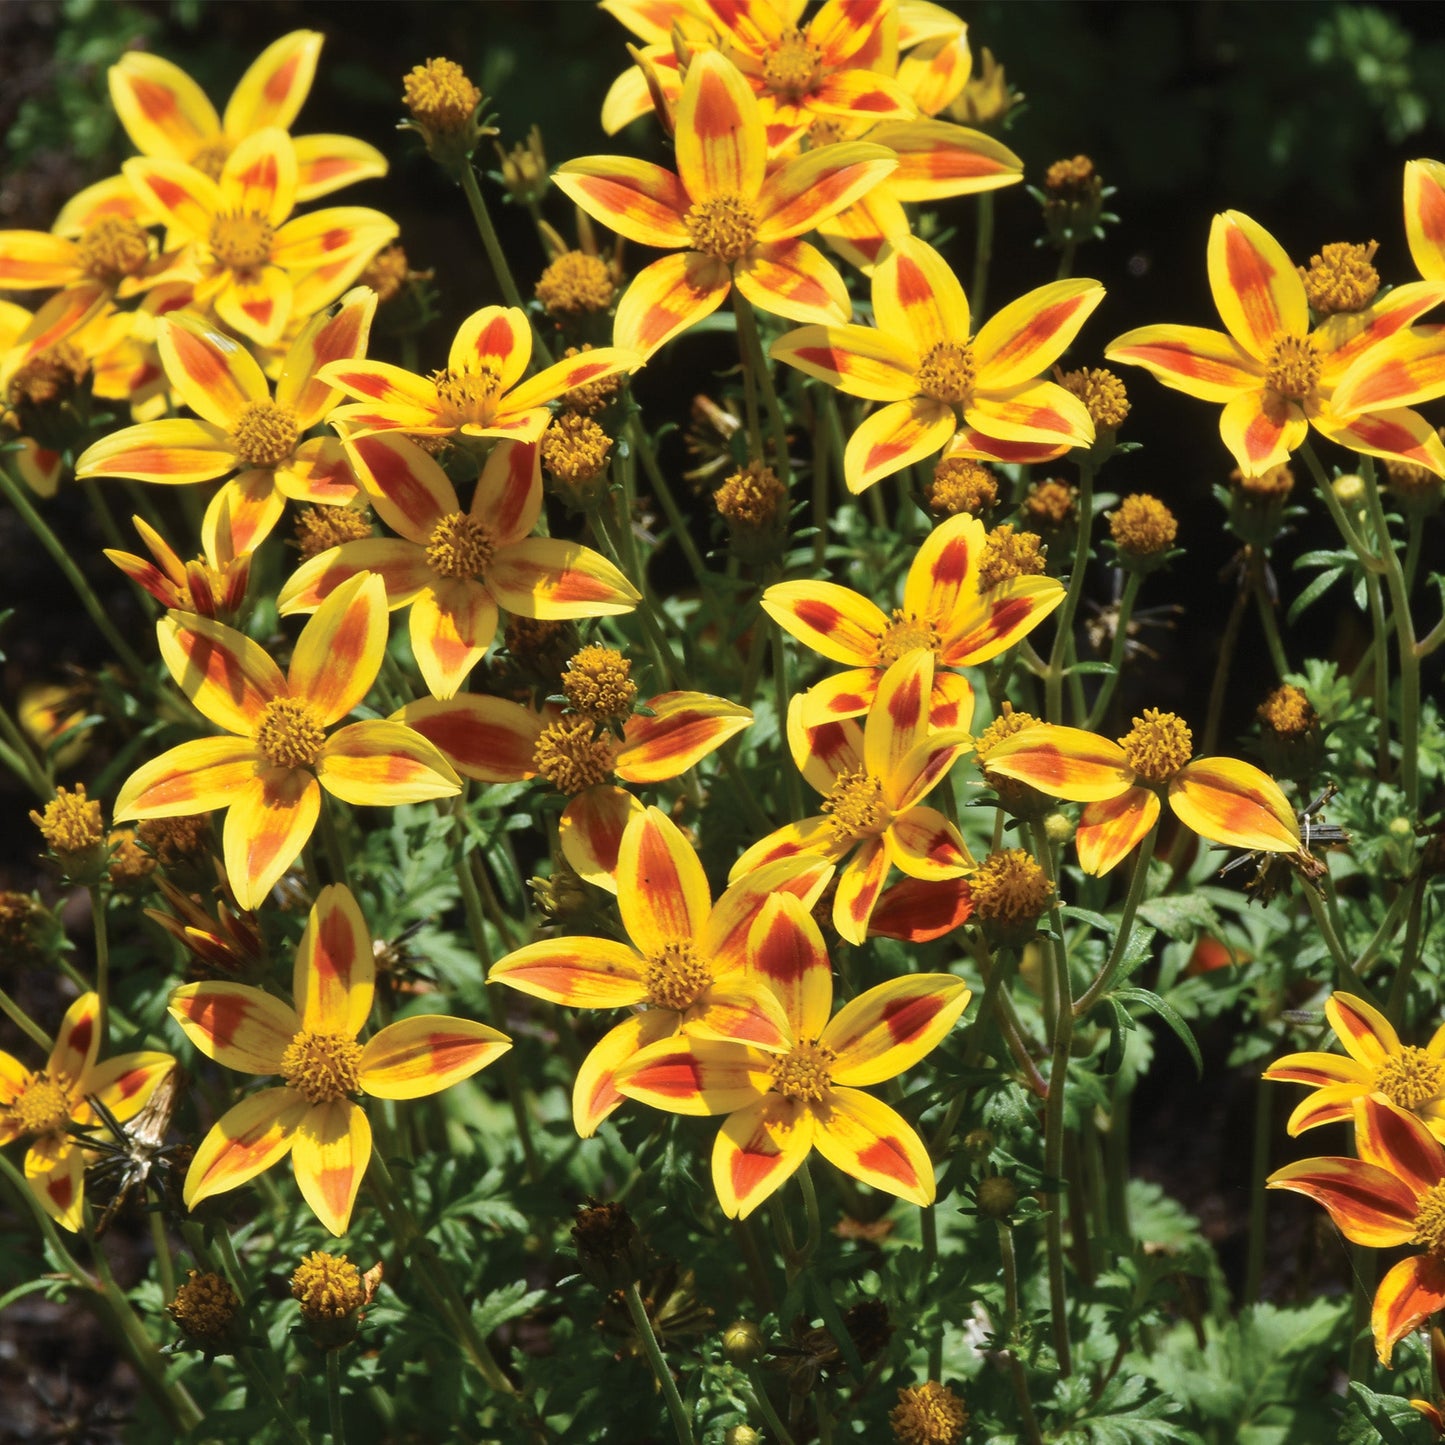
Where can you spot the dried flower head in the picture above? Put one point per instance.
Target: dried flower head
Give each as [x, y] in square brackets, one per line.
[928, 1414]
[1341, 278]
[961, 484]
[26, 928]
[205, 1308]
[574, 284]
[1287, 713]
[1071, 179]
[48, 378]
[1417, 489]
[1008, 554]
[175, 842]
[1102, 393]
[597, 684]
[997, 1196]
[1143, 528]
[539, 648]
[609, 1249]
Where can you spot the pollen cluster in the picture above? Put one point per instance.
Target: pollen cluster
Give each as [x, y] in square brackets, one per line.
[1410, 1078]
[1009, 887]
[1142, 526]
[857, 807]
[961, 484]
[1430, 1220]
[440, 97]
[319, 529]
[290, 734]
[42, 1107]
[904, 634]
[804, 1072]
[1293, 367]
[1287, 713]
[328, 1287]
[793, 64]
[112, 248]
[592, 396]
[724, 226]
[386, 273]
[242, 240]
[265, 434]
[572, 756]
[1008, 554]
[1158, 745]
[71, 822]
[1050, 504]
[676, 976]
[574, 284]
[598, 685]
[928, 1414]
[752, 499]
[464, 395]
[574, 448]
[1102, 393]
[947, 374]
[321, 1067]
[460, 547]
[1341, 278]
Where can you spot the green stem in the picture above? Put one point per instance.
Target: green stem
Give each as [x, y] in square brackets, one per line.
[1269, 623]
[1335, 507]
[755, 363]
[928, 1227]
[810, 1213]
[1107, 975]
[102, 959]
[497, 258]
[1321, 915]
[1063, 636]
[1010, 1331]
[792, 782]
[1380, 676]
[165, 1264]
[1066, 259]
[261, 1382]
[660, 1371]
[1132, 583]
[25, 1023]
[1259, 1168]
[1225, 661]
[22, 760]
[333, 1397]
[982, 257]
[331, 841]
[660, 489]
[1409, 950]
[759, 1393]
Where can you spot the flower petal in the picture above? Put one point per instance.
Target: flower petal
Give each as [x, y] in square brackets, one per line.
[55, 1172]
[919, 911]
[683, 1075]
[721, 148]
[637, 199]
[841, 624]
[164, 111]
[242, 514]
[401, 565]
[340, 649]
[917, 297]
[1398, 434]
[812, 837]
[578, 972]
[275, 85]
[816, 185]
[562, 376]
[175, 450]
[508, 496]
[398, 398]
[426, 1053]
[1232, 802]
[1399, 1142]
[786, 952]
[1256, 287]
[891, 1027]
[31, 260]
[1368, 1036]
[898, 720]
[759, 1149]
[496, 341]
[215, 375]
[192, 777]
[844, 695]
[590, 832]
[729, 925]
[1328, 1105]
[268, 824]
[379, 763]
[246, 1140]
[124, 1084]
[740, 1010]
[1368, 1204]
[228, 677]
[594, 1093]
[923, 767]
[547, 577]
[333, 978]
[863, 1137]
[326, 163]
[487, 739]
[667, 297]
[795, 280]
[1425, 217]
[259, 176]
[452, 625]
[859, 884]
[318, 472]
[340, 333]
[1067, 763]
[895, 437]
[331, 1151]
[1201, 363]
[235, 1024]
[1033, 411]
[859, 360]
[257, 303]
[1320, 1070]
[1030, 334]
[1002, 616]
[77, 1041]
[1407, 1296]
[924, 844]
[1110, 829]
[938, 160]
[1261, 429]
[662, 891]
[683, 729]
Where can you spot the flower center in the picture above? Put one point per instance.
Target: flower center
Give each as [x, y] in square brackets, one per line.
[1294, 367]
[49, 376]
[856, 803]
[792, 66]
[598, 684]
[570, 757]
[1158, 745]
[805, 1072]
[947, 374]
[242, 240]
[1008, 554]
[1410, 1078]
[1009, 887]
[466, 395]
[290, 734]
[321, 1067]
[459, 547]
[676, 976]
[575, 283]
[43, 1106]
[328, 1286]
[722, 226]
[904, 634]
[265, 434]
[211, 158]
[1341, 278]
[113, 247]
[1430, 1220]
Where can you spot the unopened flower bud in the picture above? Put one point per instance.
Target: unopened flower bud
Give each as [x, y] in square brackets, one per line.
[997, 1196]
[610, 1251]
[743, 1342]
[1349, 489]
[742, 1435]
[444, 103]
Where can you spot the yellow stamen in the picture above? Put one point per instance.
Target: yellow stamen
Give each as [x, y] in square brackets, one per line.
[1293, 367]
[1071, 179]
[1142, 526]
[290, 734]
[928, 1414]
[793, 66]
[961, 484]
[460, 547]
[1430, 1220]
[242, 240]
[804, 1072]
[321, 1067]
[1158, 745]
[1287, 713]
[592, 396]
[466, 396]
[597, 684]
[1276, 482]
[1005, 725]
[1009, 887]
[1341, 278]
[575, 283]
[327, 1286]
[856, 803]
[724, 226]
[440, 97]
[571, 757]
[43, 1106]
[113, 247]
[204, 1307]
[906, 633]
[265, 434]
[319, 529]
[574, 448]
[947, 374]
[1008, 554]
[1410, 1078]
[676, 976]
[1101, 392]
[71, 823]
[752, 500]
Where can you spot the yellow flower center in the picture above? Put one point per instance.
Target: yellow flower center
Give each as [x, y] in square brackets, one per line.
[460, 547]
[327, 1286]
[43, 1106]
[466, 395]
[321, 1067]
[204, 1306]
[71, 822]
[676, 976]
[1287, 711]
[571, 756]
[1158, 745]
[211, 158]
[575, 283]
[242, 240]
[1102, 393]
[961, 484]
[1293, 367]
[597, 684]
[904, 634]
[1410, 1078]
[1009, 887]
[440, 97]
[290, 734]
[947, 374]
[49, 376]
[1430, 1220]
[1143, 526]
[265, 434]
[1341, 278]
[574, 448]
[1005, 725]
[928, 1414]
[793, 65]
[856, 803]
[723, 226]
[1008, 554]
[804, 1072]
[319, 529]
[751, 499]
[113, 247]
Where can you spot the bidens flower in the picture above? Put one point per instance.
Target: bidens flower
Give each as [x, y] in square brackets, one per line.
[313, 1047]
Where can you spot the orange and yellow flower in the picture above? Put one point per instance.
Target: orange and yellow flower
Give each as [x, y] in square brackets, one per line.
[921, 360]
[312, 1115]
[1393, 1194]
[873, 779]
[682, 970]
[802, 1091]
[454, 568]
[114, 252]
[480, 394]
[242, 427]
[44, 1104]
[946, 611]
[1276, 376]
[1221, 799]
[213, 585]
[1374, 1062]
[268, 774]
[731, 220]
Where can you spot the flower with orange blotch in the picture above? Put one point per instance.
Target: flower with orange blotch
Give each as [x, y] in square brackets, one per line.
[270, 771]
[654, 22]
[873, 779]
[729, 219]
[1393, 1194]
[785, 1098]
[493, 740]
[213, 585]
[1221, 799]
[244, 255]
[454, 567]
[1374, 1062]
[242, 427]
[1275, 375]
[115, 252]
[167, 115]
[946, 611]
[480, 394]
[683, 970]
[921, 360]
[312, 1115]
[45, 1104]
[1425, 217]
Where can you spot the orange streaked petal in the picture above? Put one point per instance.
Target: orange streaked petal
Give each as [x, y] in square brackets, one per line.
[387, 389]
[662, 891]
[329, 249]
[495, 339]
[786, 951]
[683, 729]
[1232, 802]
[859, 884]
[114, 196]
[795, 280]
[193, 777]
[401, 565]
[863, 1137]
[861, 92]
[452, 625]
[1111, 828]
[578, 972]
[1201, 363]
[590, 832]
[1261, 429]
[740, 1010]
[594, 1093]
[235, 1024]
[917, 297]
[667, 297]
[859, 360]
[164, 111]
[330, 1153]
[938, 160]
[256, 303]
[1320, 1070]
[318, 472]
[823, 752]
[1003, 616]
[1407, 1296]
[267, 826]
[125, 1083]
[215, 375]
[683, 1075]
[1398, 434]
[340, 649]
[228, 677]
[55, 1172]
[259, 176]
[1368, 1204]
[919, 911]
[924, 844]
[487, 739]
[1067, 763]
[860, 232]
[635, 198]
[1257, 289]
[408, 488]
[721, 147]
[844, 695]
[1368, 1036]
[943, 576]
[812, 837]
[572, 371]
[894, 437]
[175, 450]
[334, 975]
[1030, 334]
[340, 333]
[378, 763]
[891, 1027]
[242, 514]
[725, 939]
[898, 720]
[30, 260]
[326, 163]
[818, 184]
[1033, 412]
[246, 1140]
[1399, 1142]
[757, 1150]
[1329, 1104]
[275, 85]
[924, 765]
[77, 1041]
[1425, 216]
[426, 1053]
[547, 577]
[1347, 338]
[508, 496]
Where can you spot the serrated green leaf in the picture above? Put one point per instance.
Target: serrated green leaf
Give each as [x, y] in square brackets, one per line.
[505, 1304]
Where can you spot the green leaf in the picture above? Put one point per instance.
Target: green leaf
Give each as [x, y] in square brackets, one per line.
[1372, 1419]
[505, 1304]
[1182, 916]
[1170, 1015]
[1315, 591]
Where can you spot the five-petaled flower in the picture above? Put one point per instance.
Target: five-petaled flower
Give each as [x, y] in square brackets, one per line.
[682, 970]
[803, 1090]
[1221, 799]
[45, 1104]
[270, 771]
[922, 360]
[313, 1047]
